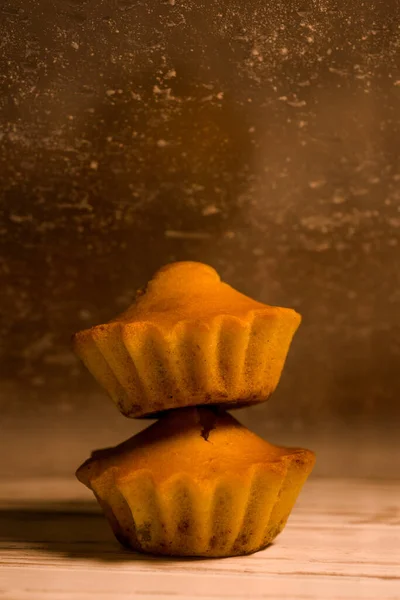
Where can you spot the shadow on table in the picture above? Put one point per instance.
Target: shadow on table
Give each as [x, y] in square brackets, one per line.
[66, 532]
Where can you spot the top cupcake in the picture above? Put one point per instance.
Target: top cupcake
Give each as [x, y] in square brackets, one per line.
[189, 339]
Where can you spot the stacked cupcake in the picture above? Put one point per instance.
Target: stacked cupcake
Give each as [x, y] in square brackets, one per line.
[195, 483]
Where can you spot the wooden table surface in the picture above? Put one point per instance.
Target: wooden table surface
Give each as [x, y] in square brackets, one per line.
[341, 543]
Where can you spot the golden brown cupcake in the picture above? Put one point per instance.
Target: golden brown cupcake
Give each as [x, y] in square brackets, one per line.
[189, 339]
[197, 483]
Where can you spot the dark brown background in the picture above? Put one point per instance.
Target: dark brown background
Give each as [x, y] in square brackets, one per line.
[260, 137]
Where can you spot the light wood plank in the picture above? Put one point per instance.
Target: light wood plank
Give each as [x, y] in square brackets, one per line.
[341, 543]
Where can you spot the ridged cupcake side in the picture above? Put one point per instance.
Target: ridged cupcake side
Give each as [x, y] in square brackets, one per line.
[227, 360]
[233, 514]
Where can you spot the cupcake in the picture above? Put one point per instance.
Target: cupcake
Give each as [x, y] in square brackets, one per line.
[189, 339]
[197, 483]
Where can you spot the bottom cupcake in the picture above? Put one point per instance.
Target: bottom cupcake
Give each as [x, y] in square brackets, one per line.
[197, 483]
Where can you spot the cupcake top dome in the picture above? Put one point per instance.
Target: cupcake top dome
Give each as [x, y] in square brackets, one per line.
[191, 291]
[197, 442]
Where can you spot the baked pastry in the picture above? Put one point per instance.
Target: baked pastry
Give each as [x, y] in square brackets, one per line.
[197, 483]
[189, 339]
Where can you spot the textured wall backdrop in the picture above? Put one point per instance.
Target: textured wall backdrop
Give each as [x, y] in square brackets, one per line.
[260, 137]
